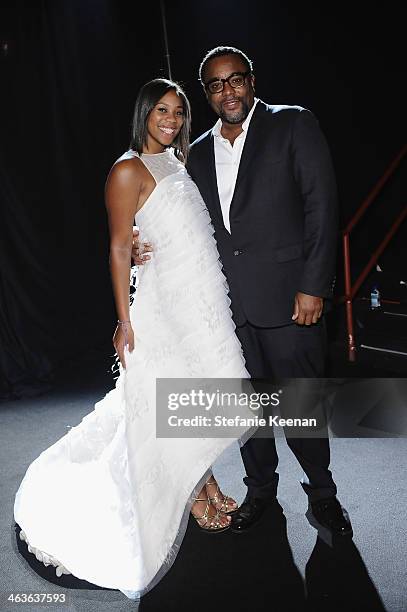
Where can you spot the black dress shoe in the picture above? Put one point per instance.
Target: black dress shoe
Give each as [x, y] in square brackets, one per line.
[329, 518]
[249, 513]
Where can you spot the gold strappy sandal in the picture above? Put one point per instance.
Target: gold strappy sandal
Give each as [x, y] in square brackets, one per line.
[222, 503]
[211, 523]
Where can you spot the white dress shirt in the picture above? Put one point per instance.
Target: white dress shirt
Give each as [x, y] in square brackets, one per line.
[227, 160]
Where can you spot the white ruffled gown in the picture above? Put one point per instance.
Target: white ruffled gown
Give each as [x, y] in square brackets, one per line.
[109, 502]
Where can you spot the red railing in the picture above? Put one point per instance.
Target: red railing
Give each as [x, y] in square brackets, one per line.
[351, 290]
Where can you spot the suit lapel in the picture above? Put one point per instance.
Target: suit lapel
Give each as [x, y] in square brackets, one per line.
[250, 147]
[208, 165]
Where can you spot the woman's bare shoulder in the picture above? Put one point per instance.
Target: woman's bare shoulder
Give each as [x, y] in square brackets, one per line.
[128, 168]
[126, 173]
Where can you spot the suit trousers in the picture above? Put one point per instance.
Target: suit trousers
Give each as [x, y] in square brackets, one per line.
[284, 352]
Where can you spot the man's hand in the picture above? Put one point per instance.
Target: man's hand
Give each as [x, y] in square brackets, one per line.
[307, 309]
[138, 251]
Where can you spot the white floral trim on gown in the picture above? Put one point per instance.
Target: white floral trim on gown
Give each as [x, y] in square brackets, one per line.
[109, 502]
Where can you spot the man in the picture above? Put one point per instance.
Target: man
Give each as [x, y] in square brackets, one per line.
[266, 176]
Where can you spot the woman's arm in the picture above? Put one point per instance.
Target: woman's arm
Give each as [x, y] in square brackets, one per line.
[122, 194]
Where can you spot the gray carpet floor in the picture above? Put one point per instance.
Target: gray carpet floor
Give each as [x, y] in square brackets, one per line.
[371, 479]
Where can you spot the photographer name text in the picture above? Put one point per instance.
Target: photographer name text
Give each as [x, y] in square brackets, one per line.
[238, 421]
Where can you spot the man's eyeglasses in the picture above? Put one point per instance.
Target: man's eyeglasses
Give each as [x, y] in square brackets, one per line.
[235, 80]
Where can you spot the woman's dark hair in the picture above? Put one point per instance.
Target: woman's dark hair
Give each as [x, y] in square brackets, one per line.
[148, 96]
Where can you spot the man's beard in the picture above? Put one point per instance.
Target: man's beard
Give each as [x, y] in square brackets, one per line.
[235, 116]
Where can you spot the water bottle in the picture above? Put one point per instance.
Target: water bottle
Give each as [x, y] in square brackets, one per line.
[374, 298]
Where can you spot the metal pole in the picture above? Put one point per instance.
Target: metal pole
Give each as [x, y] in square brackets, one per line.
[348, 297]
[379, 250]
[167, 53]
[377, 188]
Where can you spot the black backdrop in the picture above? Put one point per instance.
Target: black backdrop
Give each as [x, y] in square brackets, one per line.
[70, 71]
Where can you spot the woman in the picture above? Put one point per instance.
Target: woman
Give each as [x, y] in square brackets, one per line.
[109, 502]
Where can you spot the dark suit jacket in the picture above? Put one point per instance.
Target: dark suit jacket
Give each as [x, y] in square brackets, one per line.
[283, 215]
